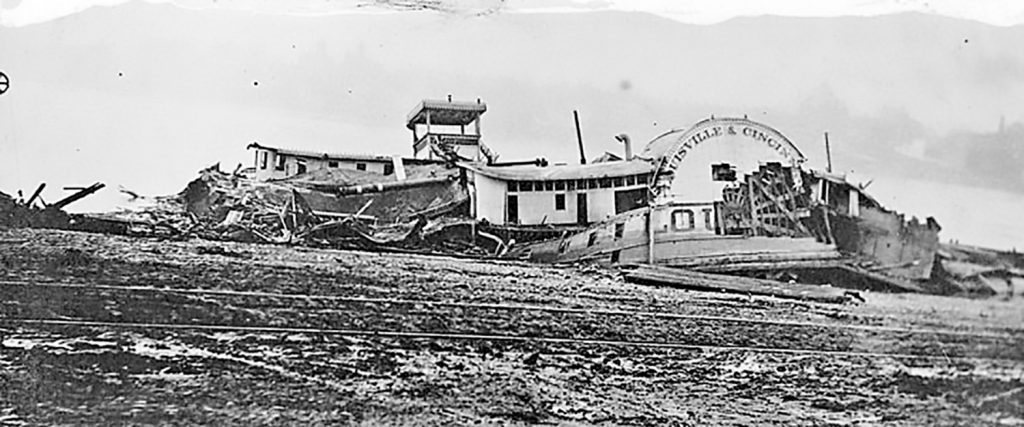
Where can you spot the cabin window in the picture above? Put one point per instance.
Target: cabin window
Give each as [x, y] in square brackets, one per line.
[513, 186]
[559, 185]
[389, 169]
[581, 184]
[332, 164]
[619, 229]
[263, 160]
[631, 180]
[592, 239]
[605, 182]
[617, 182]
[570, 185]
[615, 257]
[559, 202]
[300, 167]
[641, 179]
[526, 186]
[723, 172]
[279, 165]
[682, 219]
[360, 166]
[707, 219]
[549, 186]
[591, 184]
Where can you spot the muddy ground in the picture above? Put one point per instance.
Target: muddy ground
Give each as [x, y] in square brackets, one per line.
[109, 330]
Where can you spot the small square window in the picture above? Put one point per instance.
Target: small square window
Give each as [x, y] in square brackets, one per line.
[591, 184]
[526, 186]
[630, 180]
[332, 164]
[570, 185]
[641, 179]
[617, 182]
[559, 185]
[606, 182]
[559, 202]
[360, 166]
[581, 184]
[549, 186]
[513, 186]
[389, 169]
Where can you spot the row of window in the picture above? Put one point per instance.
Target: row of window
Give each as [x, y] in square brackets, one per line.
[388, 167]
[578, 184]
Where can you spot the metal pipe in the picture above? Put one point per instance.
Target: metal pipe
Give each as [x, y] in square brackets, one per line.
[579, 137]
[624, 139]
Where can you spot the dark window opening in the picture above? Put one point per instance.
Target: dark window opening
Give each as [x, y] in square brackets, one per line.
[332, 164]
[631, 180]
[619, 229]
[279, 165]
[512, 210]
[592, 239]
[581, 184]
[570, 185]
[591, 184]
[617, 182]
[526, 186]
[263, 160]
[615, 257]
[389, 169]
[300, 168]
[513, 186]
[581, 208]
[641, 179]
[559, 202]
[360, 166]
[606, 182]
[707, 219]
[549, 186]
[723, 172]
[559, 185]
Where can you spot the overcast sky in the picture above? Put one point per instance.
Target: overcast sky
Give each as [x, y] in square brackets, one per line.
[143, 94]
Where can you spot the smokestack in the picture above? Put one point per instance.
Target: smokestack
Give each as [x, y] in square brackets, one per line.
[624, 139]
[579, 137]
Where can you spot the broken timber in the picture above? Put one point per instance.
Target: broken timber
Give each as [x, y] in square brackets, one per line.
[686, 279]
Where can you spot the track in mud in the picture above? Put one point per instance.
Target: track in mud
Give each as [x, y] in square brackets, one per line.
[143, 331]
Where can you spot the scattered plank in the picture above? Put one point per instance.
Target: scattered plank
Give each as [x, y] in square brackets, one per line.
[687, 279]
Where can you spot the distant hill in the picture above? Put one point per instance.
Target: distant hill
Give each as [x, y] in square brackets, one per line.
[155, 90]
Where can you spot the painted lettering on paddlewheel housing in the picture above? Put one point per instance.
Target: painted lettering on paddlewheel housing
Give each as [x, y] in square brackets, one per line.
[751, 132]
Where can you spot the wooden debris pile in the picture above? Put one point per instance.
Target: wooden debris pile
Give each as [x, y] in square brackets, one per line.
[422, 215]
[36, 213]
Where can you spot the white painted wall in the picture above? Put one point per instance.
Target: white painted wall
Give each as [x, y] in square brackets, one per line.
[490, 198]
[538, 207]
[693, 178]
[291, 165]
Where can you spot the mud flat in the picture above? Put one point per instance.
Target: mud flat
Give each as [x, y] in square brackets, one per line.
[98, 329]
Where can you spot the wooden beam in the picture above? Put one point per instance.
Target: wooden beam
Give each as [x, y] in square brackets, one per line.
[35, 195]
[85, 192]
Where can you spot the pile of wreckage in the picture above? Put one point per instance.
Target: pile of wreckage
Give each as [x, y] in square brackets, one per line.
[425, 213]
[428, 212]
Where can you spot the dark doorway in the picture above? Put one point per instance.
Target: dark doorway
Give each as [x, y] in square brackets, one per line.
[301, 168]
[581, 208]
[627, 200]
[512, 210]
